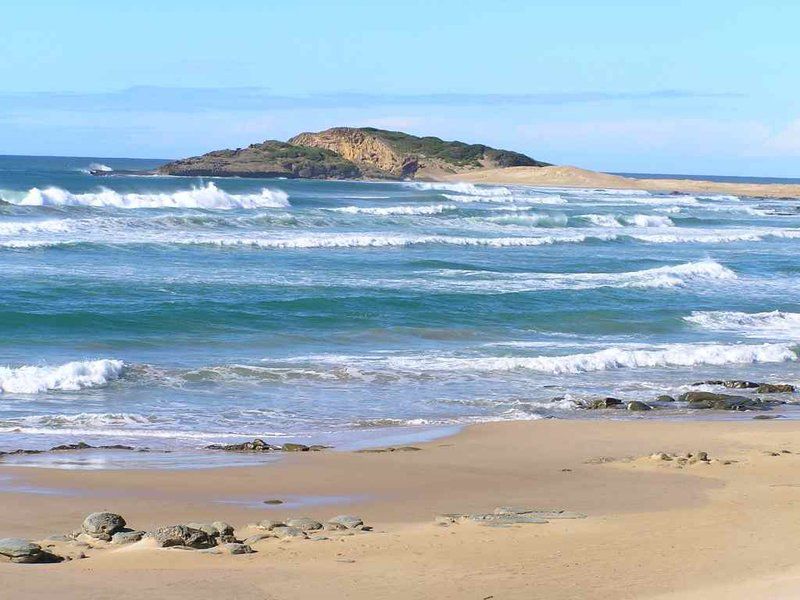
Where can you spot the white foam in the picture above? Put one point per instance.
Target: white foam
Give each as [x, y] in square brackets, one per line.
[468, 189]
[672, 276]
[207, 197]
[503, 199]
[668, 355]
[531, 220]
[435, 209]
[784, 325]
[71, 376]
[382, 241]
[18, 227]
[637, 220]
[715, 236]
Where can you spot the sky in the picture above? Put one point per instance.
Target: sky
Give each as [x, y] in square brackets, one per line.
[648, 86]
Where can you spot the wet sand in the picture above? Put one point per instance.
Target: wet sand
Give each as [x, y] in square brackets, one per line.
[654, 528]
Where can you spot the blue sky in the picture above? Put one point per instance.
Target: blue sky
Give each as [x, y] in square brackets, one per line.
[672, 87]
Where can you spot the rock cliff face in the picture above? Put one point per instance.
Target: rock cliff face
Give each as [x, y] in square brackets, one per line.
[350, 153]
[407, 156]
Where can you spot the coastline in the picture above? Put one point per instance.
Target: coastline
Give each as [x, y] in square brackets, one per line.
[574, 177]
[653, 529]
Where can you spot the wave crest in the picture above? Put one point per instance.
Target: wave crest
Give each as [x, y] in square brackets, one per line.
[206, 197]
[71, 376]
[762, 324]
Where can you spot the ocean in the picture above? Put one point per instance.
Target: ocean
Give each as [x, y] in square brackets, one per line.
[173, 312]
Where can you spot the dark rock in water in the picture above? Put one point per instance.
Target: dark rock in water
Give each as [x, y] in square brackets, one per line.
[737, 384]
[21, 451]
[273, 501]
[637, 406]
[78, 446]
[102, 525]
[719, 401]
[288, 447]
[389, 449]
[181, 535]
[603, 403]
[665, 398]
[257, 445]
[775, 388]
[70, 447]
[768, 417]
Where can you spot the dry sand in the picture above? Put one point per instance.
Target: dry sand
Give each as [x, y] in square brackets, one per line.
[654, 529]
[565, 176]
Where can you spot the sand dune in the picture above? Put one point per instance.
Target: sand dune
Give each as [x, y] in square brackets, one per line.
[565, 176]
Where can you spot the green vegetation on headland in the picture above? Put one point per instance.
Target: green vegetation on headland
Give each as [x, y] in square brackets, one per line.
[349, 153]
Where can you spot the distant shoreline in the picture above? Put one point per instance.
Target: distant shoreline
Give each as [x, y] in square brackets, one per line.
[566, 176]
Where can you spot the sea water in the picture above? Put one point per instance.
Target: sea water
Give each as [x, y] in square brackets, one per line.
[173, 312]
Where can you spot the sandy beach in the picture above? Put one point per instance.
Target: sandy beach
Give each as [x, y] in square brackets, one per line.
[567, 176]
[721, 528]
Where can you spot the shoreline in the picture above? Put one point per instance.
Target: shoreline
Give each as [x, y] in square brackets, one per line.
[575, 177]
[653, 528]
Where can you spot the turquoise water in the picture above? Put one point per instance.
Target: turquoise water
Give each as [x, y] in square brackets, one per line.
[177, 312]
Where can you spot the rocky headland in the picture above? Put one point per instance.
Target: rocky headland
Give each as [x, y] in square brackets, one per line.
[350, 153]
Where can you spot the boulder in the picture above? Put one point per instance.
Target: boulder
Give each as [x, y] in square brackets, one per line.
[181, 535]
[637, 406]
[775, 388]
[304, 524]
[603, 403]
[347, 521]
[270, 524]
[718, 401]
[20, 551]
[102, 525]
[257, 445]
[665, 398]
[254, 539]
[295, 448]
[127, 537]
[739, 384]
[235, 548]
[285, 531]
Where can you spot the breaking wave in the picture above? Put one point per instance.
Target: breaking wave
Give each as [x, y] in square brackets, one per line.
[669, 355]
[207, 197]
[436, 209]
[71, 376]
[628, 220]
[468, 189]
[18, 227]
[384, 241]
[763, 324]
[659, 277]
